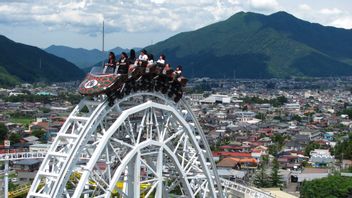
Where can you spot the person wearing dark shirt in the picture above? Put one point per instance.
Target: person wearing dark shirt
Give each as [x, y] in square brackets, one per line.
[132, 57]
[123, 64]
[112, 60]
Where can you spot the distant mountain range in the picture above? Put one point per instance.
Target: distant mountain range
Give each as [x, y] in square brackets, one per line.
[247, 45]
[83, 58]
[24, 63]
[250, 45]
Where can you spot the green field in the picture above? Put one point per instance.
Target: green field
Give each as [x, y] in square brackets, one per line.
[24, 120]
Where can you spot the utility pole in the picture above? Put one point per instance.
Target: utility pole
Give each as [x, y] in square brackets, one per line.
[102, 47]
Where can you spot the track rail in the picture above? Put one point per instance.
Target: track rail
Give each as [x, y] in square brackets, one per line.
[233, 188]
[66, 148]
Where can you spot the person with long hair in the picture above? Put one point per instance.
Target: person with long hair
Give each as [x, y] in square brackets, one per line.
[123, 64]
[132, 57]
[111, 60]
[161, 59]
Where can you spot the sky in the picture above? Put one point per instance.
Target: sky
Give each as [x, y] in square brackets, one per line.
[138, 23]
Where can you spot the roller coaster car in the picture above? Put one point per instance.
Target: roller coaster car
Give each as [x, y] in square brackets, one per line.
[163, 80]
[176, 88]
[142, 77]
[134, 79]
[148, 80]
[101, 81]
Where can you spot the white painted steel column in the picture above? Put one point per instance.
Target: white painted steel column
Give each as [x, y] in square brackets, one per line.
[159, 189]
[136, 175]
[6, 179]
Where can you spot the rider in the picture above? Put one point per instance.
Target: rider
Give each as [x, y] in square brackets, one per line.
[167, 69]
[161, 59]
[142, 58]
[178, 72]
[132, 57]
[150, 59]
[123, 64]
[112, 60]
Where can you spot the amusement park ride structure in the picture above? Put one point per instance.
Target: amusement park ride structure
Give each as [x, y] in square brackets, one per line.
[136, 139]
[148, 143]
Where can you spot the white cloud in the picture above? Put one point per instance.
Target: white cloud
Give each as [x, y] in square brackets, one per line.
[158, 1]
[330, 11]
[86, 16]
[343, 22]
[304, 7]
[264, 5]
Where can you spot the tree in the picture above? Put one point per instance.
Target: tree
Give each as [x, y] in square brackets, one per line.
[282, 100]
[261, 178]
[278, 118]
[45, 110]
[3, 131]
[273, 149]
[15, 138]
[346, 111]
[343, 149]
[275, 178]
[265, 160]
[41, 134]
[279, 101]
[38, 133]
[261, 116]
[334, 186]
[245, 108]
[279, 141]
[310, 147]
[297, 118]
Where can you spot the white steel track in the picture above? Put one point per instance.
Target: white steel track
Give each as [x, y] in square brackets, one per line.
[64, 151]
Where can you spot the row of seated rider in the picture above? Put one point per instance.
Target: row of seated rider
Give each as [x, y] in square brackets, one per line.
[126, 64]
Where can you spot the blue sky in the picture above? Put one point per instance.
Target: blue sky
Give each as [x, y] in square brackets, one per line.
[137, 23]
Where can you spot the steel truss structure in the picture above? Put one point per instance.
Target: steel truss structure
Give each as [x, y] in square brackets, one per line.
[143, 145]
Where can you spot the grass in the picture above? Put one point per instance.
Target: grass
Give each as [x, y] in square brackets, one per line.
[11, 175]
[25, 121]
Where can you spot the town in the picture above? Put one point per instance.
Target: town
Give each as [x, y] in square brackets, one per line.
[274, 134]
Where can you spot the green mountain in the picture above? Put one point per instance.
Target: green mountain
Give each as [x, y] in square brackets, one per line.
[24, 63]
[83, 58]
[250, 45]
[78, 56]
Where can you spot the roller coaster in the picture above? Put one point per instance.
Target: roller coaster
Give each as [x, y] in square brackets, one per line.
[142, 77]
[139, 139]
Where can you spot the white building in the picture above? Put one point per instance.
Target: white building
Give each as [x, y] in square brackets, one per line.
[39, 148]
[247, 117]
[321, 157]
[292, 106]
[217, 98]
